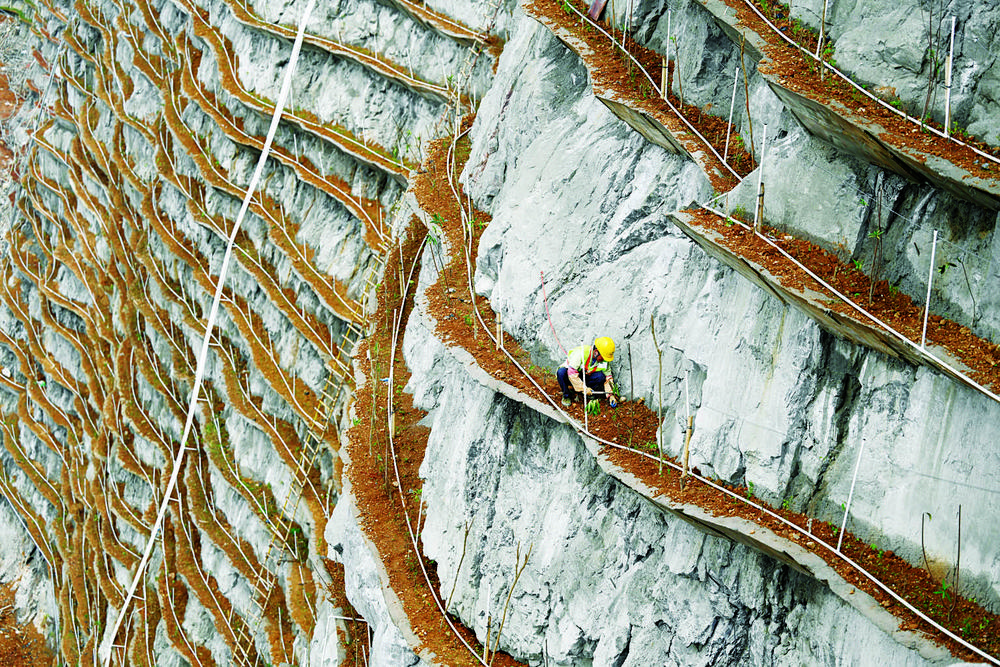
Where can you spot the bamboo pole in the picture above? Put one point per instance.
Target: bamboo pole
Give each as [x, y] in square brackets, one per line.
[659, 385]
[759, 208]
[746, 94]
[690, 427]
[732, 106]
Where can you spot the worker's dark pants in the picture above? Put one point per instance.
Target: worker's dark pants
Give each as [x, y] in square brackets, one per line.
[594, 380]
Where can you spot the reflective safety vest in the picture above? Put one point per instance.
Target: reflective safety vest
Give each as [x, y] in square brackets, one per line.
[579, 359]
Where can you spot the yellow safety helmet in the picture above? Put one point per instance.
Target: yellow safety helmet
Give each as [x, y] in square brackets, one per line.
[606, 347]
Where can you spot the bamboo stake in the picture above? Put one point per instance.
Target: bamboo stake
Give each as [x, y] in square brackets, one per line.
[631, 380]
[746, 94]
[822, 29]
[732, 106]
[659, 385]
[759, 208]
[666, 60]
[690, 428]
[663, 78]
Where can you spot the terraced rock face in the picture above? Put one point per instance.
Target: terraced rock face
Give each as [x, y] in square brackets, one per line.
[137, 150]
[153, 115]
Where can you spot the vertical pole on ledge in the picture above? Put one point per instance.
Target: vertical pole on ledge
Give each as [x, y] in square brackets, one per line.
[690, 427]
[663, 78]
[659, 389]
[850, 496]
[759, 208]
[586, 419]
[930, 282]
[628, 20]
[496, 297]
[947, 81]
[729, 125]
[666, 61]
[822, 31]
[104, 648]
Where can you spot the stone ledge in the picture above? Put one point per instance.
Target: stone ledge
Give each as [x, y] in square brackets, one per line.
[853, 132]
[393, 606]
[818, 307]
[735, 529]
[658, 127]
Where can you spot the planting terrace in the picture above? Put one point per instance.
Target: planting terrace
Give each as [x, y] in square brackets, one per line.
[895, 595]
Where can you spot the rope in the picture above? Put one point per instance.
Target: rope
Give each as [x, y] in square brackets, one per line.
[545, 300]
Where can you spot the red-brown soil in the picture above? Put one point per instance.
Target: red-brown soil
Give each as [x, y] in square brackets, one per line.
[372, 469]
[633, 424]
[611, 69]
[886, 302]
[801, 73]
[20, 645]
[9, 103]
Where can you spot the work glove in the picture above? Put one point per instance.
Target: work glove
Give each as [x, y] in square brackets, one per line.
[613, 401]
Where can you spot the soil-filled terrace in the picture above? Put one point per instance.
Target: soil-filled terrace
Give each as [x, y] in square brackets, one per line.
[388, 508]
[64, 234]
[614, 74]
[632, 428]
[795, 69]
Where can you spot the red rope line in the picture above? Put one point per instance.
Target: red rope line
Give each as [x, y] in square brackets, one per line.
[548, 314]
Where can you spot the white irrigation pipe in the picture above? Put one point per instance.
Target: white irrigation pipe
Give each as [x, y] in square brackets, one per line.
[930, 284]
[822, 28]
[399, 483]
[666, 56]
[459, 30]
[305, 123]
[662, 93]
[210, 326]
[850, 496]
[732, 106]
[726, 491]
[888, 329]
[364, 57]
[867, 94]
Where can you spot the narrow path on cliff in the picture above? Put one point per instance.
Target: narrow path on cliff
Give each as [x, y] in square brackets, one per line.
[904, 590]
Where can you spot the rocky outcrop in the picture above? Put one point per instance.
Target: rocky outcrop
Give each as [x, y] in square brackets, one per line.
[153, 115]
[788, 414]
[610, 578]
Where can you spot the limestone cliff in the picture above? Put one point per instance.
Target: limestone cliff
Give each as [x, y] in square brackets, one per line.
[138, 145]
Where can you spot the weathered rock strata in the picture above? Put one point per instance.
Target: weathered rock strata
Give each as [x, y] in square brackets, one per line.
[154, 116]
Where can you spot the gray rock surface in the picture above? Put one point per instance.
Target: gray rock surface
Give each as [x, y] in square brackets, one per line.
[778, 402]
[608, 579]
[890, 47]
[24, 568]
[575, 194]
[365, 586]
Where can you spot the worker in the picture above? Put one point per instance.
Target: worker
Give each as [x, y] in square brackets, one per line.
[587, 371]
